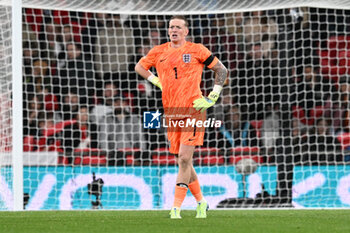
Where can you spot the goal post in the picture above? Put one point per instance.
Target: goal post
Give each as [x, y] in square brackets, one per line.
[93, 132]
[17, 103]
[155, 7]
[11, 165]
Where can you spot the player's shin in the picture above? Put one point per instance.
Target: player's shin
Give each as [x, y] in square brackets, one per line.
[195, 189]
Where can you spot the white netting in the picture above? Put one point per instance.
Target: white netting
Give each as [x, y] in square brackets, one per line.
[285, 134]
[5, 107]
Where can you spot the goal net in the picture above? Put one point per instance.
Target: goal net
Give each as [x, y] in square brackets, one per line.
[6, 175]
[89, 137]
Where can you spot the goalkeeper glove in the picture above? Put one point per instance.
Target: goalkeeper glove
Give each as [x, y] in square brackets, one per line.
[204, 103]
[155, 81]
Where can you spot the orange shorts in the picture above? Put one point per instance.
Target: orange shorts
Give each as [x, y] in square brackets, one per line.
[177, 135]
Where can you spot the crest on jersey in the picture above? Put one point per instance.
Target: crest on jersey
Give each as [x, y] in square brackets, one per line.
[186, 58]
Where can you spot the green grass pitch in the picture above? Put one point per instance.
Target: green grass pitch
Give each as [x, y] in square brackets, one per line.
[158, 221]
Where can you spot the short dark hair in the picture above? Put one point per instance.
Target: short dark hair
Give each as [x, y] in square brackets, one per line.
[182, 18]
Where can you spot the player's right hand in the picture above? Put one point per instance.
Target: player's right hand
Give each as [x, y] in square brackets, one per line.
[155, 81]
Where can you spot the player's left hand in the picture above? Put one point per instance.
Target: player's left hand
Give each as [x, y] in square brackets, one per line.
[204, 103]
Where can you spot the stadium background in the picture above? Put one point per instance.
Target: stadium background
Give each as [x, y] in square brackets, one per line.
[288, 92]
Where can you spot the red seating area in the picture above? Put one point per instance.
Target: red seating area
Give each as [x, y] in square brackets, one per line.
[90, 160]
[236, 159]
[207, 156]
[93, 156]
[344, 139]
[35, 18]
[257, 126]
[204, 156]
[162, 157]
[41, 144]
[86, 156]
[300, 114]
[335, 58]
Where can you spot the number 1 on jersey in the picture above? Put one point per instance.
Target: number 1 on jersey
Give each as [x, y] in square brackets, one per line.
[175, 69]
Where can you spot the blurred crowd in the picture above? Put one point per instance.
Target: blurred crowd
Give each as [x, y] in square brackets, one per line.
[289, 79]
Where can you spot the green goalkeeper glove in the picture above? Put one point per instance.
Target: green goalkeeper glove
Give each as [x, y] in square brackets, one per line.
[155, 81]
[204, 103]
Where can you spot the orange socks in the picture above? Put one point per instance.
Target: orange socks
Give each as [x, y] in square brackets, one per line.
[180, 194]
[195, 189]
[181, 191]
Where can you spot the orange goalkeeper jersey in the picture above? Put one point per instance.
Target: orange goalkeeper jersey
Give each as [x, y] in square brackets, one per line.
[180, 71]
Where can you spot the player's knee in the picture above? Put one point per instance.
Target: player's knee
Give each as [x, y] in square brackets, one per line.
[184, 160]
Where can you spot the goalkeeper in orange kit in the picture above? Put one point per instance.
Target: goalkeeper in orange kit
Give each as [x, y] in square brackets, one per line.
[179, 65]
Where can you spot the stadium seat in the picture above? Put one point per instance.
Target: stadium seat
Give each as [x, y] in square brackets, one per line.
[335, 58]
[56, 146]
[34, 18]
[199, 151]
[163, 160]
[85, 156]
[129, 150]
[239, 153]
[162, 156]
[245, 150]
[87, 150]
[314, 113]
[161, 150]
[58, 127]
[257, 126]
[90, 160]
[208, 156]
[344, 140]
[29, 143]
[130, 160]
[51, 102]
[62, 160]
[256, 158]
[209, 160]
[129, 155]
